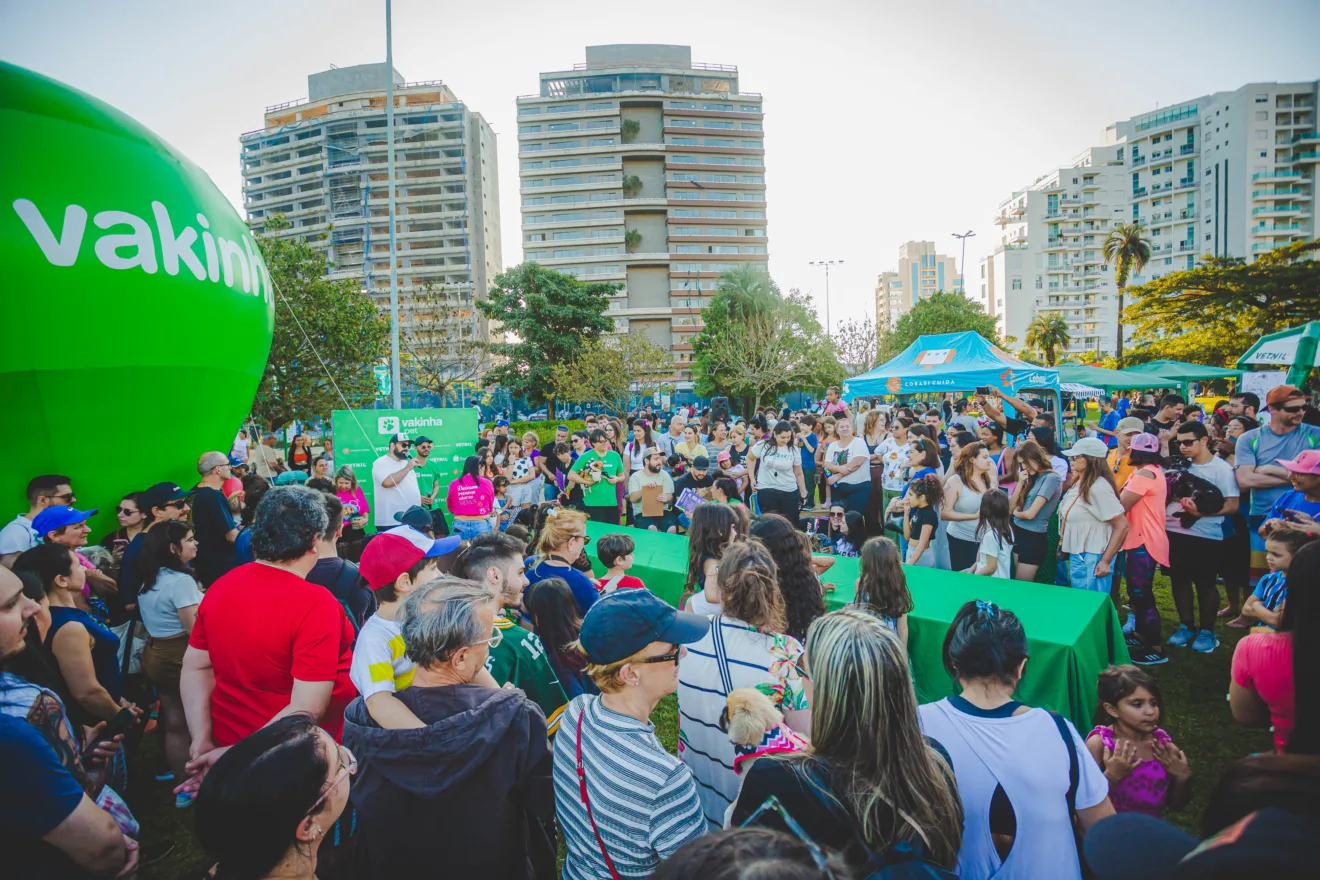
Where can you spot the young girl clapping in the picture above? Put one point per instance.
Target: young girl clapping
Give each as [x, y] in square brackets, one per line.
[1146, 771]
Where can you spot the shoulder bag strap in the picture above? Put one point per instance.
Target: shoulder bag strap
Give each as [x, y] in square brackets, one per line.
[582, 787]
[721, 657]
[1074, 771]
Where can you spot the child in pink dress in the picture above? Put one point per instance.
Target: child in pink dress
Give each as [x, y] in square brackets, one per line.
[1146, 771]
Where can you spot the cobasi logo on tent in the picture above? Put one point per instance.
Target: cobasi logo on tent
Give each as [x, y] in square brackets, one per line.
[130, 242]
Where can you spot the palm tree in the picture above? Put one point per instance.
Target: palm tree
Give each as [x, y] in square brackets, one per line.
[1046, 333]
[1128, 251]
[748, 290]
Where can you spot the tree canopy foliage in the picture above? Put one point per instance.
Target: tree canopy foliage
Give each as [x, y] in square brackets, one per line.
[550, 316]
[941, 313]
[757, 343]
[328, 335]
[856, 345]
[1211, 314]
[613, 372]
[440, 341]
[1048, 333]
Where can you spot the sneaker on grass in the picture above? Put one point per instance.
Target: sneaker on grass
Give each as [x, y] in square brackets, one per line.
[1149, 658]
[1133, 640]
[1130, 625]
[1180, 638]
[1205, 641]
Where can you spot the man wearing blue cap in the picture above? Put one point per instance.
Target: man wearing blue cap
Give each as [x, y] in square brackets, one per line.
[623, 802]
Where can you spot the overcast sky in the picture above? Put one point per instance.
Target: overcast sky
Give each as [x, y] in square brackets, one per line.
[885, 121]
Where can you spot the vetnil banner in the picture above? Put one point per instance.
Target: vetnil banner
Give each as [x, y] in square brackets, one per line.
[138, 312]
[363, 435]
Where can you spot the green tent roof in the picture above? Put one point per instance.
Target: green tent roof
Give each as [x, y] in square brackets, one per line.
[1112, 380]
[1181, 371]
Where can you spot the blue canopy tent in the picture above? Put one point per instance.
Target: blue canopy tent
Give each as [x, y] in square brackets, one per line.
[949, 362]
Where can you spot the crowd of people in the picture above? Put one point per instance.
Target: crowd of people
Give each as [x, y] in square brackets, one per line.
[318, 690]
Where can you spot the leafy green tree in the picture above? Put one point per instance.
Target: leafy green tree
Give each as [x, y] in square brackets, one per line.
[549, 316]
[613, 371]
[1128, 251]
[1047, 333]
[806, 360]
[941, 313]
[328, 336]
[1214, 312]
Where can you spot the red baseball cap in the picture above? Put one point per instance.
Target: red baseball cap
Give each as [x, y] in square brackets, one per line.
[392, 553]
[1306, 462]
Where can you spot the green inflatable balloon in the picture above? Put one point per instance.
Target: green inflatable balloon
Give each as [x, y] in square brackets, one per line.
[137, 311]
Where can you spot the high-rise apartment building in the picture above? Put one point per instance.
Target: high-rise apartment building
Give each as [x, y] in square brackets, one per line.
[1050, 257]
[921, 272]
[321, 162]
[1229, 175]
[645, 168]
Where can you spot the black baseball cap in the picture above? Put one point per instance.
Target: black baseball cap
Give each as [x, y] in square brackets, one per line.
[422, 439]
[701, 463]
[161, 495]
[416, 516]
[625, 622]
[1272, 842]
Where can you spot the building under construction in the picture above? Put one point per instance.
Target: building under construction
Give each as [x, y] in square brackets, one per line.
[321, 162]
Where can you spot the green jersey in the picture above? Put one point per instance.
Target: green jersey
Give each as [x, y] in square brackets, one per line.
[520, 659]
[430, 475]
[601, 493]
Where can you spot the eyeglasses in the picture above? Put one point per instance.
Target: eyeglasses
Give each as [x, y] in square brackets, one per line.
[348, 766]
[1191, 442]
[664, 658]
[495, 638]
[1290, 409]
[67, 497]
[124, 511]
[585, 539]
[772, 805]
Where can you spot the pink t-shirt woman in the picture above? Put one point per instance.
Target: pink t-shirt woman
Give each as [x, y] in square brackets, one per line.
[356, 500]
[1263, 663]
[471, 498]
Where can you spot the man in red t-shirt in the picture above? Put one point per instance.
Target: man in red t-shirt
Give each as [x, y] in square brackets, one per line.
[267, 642]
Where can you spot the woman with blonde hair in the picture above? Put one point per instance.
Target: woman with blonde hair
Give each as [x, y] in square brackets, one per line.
[745, 647]
[870, 782]
[560, 543]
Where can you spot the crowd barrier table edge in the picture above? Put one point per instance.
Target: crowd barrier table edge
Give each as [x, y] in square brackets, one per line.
[1072, 634]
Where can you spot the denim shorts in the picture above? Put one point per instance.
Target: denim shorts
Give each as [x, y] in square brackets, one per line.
[467, 529]
[1081, 570]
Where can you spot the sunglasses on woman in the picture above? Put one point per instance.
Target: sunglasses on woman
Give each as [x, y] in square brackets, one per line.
[664, 658]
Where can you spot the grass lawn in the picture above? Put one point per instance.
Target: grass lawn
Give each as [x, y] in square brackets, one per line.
[1196, 716]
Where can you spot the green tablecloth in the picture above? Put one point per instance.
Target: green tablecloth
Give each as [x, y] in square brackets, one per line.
[1073, 634]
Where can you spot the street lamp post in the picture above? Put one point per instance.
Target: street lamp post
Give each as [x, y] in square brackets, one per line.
[394, 263]
[826, 264]
[962, 264]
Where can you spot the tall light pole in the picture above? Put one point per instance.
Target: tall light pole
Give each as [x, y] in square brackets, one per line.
[962, 265]
[826, 264]
[395, 384]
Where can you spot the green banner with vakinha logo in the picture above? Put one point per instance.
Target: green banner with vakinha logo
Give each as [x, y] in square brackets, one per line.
[363, 435]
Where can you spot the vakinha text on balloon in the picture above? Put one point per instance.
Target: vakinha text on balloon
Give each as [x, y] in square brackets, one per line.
[129, 242]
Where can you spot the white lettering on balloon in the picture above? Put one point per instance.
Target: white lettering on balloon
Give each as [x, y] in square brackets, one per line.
[129, 242]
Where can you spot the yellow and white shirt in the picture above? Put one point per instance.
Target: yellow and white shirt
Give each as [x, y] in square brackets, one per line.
[379, 662]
